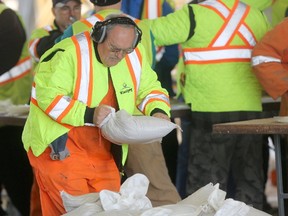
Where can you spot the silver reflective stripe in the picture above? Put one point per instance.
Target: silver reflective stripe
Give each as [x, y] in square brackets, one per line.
[211, 55]
[32, 49]
[152, 7]
[16, 71]
[33, 93]
[231, 26]
[247, 35]
[92, 20]
[85, 67]
[60, 107]
[136, 65]
[144, 102]
[256, 60]
[220, 7]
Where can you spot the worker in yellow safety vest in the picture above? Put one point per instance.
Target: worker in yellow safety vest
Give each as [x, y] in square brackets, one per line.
[161, 190]
[76, 82]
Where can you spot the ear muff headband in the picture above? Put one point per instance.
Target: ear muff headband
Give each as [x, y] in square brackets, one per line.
[100, 29]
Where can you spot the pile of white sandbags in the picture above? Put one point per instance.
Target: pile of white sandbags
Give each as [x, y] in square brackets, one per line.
[132, 201]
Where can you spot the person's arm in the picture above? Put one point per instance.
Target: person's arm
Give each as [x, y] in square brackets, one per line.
[175, 28]
[168, 60]
[47, 42]
[54, 84]
[270, 60]
[151, 97]
[12, 39]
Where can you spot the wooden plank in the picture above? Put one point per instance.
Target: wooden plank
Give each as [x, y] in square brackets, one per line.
[256, 126]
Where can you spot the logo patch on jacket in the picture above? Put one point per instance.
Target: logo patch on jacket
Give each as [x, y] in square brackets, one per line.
[125, 89]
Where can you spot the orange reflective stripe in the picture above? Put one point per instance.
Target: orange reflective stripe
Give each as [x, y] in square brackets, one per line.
[66, 111]
[152, 96]
[90, 87]
[225, 24]
[132, 74]
[22, 68]
[139, 55]
[87, 23]
[153, 9]
[219, 49]
[90, 21]
[79, 62]
[53, 104]
[32, 49]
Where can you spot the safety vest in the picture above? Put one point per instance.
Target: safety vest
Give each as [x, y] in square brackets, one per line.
[89, 87]
[15, 84]
[219, 77]
[152, 9]
[216, 52]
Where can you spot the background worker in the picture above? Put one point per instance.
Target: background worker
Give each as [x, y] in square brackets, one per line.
[269, 61]
[165, 60]
[161, 189]
[15, 86]
[219, 87]
[65, 12]
[67, 98]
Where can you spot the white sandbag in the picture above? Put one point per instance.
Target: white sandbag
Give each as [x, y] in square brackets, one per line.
[73, 202]
[171, 210]
[132, 195]
[123, 128]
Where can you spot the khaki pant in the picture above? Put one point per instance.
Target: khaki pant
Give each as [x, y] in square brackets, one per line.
[148, 159]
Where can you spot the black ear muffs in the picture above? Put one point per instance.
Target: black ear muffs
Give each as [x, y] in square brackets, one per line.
[100, 29]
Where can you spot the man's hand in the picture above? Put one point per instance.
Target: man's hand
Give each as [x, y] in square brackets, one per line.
[161, 115]
[100, 114]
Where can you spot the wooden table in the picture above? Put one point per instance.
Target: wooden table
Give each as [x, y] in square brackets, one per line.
[262, 126]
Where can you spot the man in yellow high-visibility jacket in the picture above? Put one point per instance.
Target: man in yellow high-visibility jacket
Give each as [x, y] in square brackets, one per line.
[161, 190]
[75, 83]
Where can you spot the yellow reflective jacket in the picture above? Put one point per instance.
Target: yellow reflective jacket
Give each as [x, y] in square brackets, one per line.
[69, 79]
[218, 76]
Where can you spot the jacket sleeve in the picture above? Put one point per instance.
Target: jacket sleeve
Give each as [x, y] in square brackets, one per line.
[174, 28]
[168, 61]
[41, 40]
[54, 84]
[47, 42]
[151, 95]
[270, 60]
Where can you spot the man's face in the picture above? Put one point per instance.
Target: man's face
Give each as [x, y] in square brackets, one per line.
[67, 14]
[118, 43]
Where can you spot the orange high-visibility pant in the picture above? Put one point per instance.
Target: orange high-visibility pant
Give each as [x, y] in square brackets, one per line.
[89, 168]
